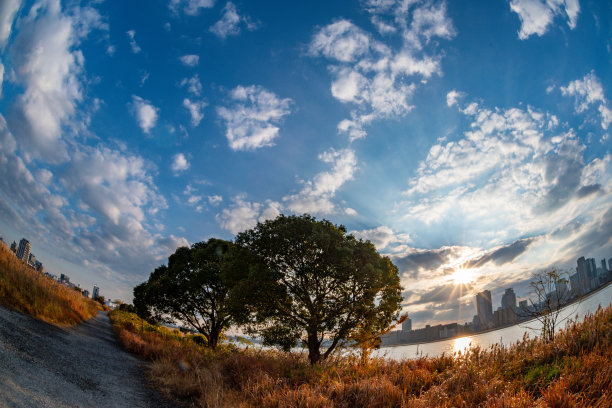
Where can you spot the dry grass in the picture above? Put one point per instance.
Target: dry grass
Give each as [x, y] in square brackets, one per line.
[573, 371]
[24, 289]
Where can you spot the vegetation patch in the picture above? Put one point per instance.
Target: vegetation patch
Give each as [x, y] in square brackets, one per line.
[573, 370]
[28, 291]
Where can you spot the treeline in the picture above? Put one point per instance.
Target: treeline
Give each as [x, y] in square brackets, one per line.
[292, 281]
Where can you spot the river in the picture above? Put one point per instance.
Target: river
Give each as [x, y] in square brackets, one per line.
[505, 336]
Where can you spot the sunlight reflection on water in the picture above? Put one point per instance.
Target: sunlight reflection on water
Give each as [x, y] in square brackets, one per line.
[461, 344]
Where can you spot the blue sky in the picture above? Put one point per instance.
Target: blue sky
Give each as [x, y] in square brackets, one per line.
[454, 135]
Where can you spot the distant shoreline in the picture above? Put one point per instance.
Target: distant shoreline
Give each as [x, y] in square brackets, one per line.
[576, 300]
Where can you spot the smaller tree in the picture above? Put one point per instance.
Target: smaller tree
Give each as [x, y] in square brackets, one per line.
[191, 289]
[368, 334]
[550, 295]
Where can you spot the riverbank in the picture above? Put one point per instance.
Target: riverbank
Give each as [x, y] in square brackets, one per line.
[573, 370]
[523, 323]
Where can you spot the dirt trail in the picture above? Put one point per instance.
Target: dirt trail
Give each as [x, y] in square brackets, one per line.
[42, 365]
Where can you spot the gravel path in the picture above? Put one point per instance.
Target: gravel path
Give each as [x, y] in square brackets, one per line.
[42, 365]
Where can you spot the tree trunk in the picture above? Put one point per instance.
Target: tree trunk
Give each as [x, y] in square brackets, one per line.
[214, 337]
[314, 354]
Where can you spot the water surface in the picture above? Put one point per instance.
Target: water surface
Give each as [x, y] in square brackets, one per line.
[505, 336]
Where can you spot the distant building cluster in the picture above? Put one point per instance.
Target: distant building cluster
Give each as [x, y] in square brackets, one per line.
[23, 251]
[587, 278]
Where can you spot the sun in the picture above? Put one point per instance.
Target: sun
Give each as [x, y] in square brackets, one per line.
[462, 276]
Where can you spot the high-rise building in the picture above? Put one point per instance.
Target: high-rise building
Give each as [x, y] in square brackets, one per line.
[32, 259]
[95, 292]
[509, 299]
[86, 293]
[23, 252]
[14, 247]
[561, 290]
[39, 267]
[610, 264]
[407, 325]
[603, 265]
[583, 275]
[591, 267]
[484, 308]
[508, 303]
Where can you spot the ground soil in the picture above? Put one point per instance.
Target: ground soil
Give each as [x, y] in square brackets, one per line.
[42, 365]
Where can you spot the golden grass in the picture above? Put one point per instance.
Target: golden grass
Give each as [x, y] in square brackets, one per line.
[26, 290]
[573, 371]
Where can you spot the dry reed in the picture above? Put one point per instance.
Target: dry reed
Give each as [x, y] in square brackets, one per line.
[24, 289]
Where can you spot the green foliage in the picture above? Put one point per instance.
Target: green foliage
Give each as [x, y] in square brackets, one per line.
[191, 289]
[298, 278]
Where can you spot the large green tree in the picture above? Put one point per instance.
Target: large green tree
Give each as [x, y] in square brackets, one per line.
[191, 289]
[309, 280]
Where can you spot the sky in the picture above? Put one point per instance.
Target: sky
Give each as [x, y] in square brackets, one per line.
[469, 141]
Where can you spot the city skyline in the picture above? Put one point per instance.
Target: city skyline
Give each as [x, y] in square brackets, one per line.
[23, 253]
[469, 141]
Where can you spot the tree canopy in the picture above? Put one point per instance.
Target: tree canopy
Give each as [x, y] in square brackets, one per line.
[191, 289]
[309, 280]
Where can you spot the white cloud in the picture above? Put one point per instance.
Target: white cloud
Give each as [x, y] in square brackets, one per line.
[193, 198]
[231, 22]
[133, 44]
[50, 71]
[195, 109]
[513, 172]
[452, 97]
[100, 200]
[114, 185]
[251, 122]
[589, 91]
[242, 215]
[316, 195]
[537, 15]
[428, 21]
[145, 112]
[381, 236]
[8, 10]
[350, 211]
[190, 7]
[193, 84]
[215, 199]
[379, 79]
[190, 60]
[341, 40]
[179, 163]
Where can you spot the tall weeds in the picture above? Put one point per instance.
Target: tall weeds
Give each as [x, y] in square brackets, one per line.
[574, 370]
[24, 289]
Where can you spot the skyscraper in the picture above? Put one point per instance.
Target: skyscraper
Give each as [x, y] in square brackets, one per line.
[407, 325]
[583, 276]
[591, 267]
[96, 292]
[484, 308]
[509, 299]
[603, 265]
[23, 252]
